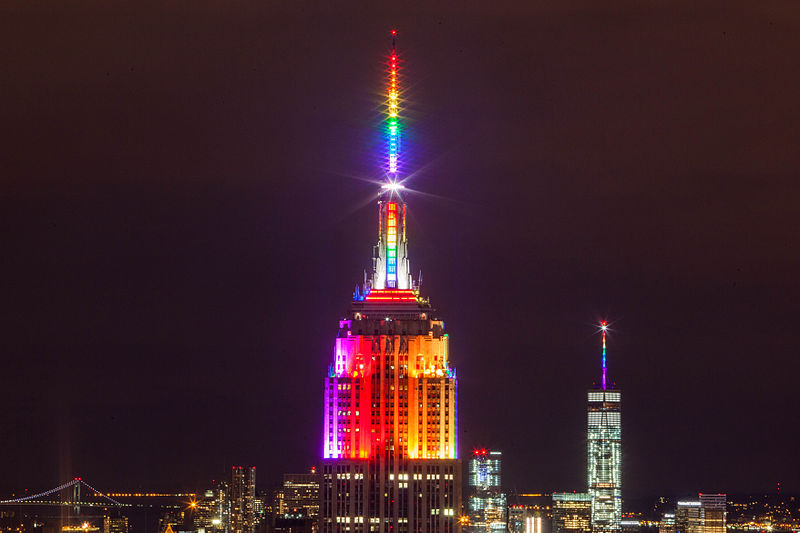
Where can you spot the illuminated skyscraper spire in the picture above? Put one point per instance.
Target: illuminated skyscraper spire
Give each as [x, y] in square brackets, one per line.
[603, 328]
[390, 417]
[605, 452]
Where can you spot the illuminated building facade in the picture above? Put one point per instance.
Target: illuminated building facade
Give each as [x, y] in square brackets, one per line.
[115, 524]
[83, 527]
[260, 510]
[170, 521]
[605, 453]
[572, 512]
[221, 521]
[524, 519]
[242, 499]
[298, 497]
[390, 454]
[517, 514]
[202, 513]
[714, 509]
[487, 503]
[211, 513]
[706, 514]
[534, 523]
[667, 523]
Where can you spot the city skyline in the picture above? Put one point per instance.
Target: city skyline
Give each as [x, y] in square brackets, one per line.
[174, 201]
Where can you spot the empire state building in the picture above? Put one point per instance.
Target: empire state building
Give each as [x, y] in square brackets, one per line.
[389, 444]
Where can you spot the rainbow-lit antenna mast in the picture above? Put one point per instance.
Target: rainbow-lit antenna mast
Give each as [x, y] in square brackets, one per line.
[394, 134]
[393, 122]
[603, 328]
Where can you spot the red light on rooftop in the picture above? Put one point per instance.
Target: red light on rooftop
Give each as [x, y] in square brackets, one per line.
[391, 295]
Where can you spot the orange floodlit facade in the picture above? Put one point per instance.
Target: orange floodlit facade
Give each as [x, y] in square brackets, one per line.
[391, 390]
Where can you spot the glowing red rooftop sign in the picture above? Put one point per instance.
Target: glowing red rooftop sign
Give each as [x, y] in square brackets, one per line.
[391, 295]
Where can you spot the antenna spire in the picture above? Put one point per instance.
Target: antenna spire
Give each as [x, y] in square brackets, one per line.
[603, 328]
[393, 122]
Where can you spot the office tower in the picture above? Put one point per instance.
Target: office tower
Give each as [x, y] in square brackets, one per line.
[221, 501]
[534, 523]
[487, 503]
[115, 524]
[524, 519]
[242, 498]
[605, 453]
[202, 512]
[667, 523]
[537, 503]
[209, 514]
[170, 521]
[517, 514]
[706, 514]
[572, 512]
[714, 512]
[296, 503]
[260, 509]
[389, 448]
[687, 517]
[298, 497]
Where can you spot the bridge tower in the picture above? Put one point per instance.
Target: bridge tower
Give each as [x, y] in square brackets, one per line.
[76, 496]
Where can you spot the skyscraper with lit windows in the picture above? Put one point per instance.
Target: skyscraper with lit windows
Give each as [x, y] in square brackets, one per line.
[390, 451]
[487, 502]
[706, 514]
[605, 452]
[242, 500]
[572, 512]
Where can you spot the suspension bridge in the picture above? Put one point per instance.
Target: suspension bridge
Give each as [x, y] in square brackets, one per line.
[74, 500]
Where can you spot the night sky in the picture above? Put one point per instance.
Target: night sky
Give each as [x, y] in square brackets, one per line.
[186, 206]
